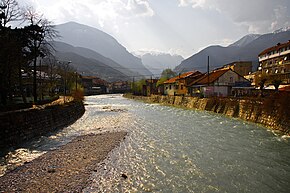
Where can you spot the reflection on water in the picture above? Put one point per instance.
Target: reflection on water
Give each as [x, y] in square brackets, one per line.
[176, 150]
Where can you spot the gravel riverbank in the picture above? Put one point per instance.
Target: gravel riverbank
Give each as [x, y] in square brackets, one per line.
[66, 169]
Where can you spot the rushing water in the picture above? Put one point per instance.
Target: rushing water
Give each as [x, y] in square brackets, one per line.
[175, 150]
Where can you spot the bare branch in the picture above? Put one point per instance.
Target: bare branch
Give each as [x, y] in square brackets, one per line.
[11, 11]
[31, 16]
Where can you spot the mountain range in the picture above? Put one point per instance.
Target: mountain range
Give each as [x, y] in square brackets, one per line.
[156, 62]
[245, 49]
[89, 63]
[97, 43]
[96, 53]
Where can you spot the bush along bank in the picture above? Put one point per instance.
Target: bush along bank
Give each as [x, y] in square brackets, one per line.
[18, 127]
[272, 112]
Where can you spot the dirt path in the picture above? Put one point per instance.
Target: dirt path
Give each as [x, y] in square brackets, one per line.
[66, 169]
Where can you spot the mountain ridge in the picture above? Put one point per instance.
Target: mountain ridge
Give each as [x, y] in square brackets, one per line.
[245, 40]
[220, 55]
[91, 54]
[80, 35]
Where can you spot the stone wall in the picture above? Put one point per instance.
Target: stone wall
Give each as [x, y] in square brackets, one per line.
[17, 127]
[257, 111]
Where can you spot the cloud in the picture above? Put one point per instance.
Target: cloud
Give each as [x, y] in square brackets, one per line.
[111, 16]
[193, 3]
[258, 16]
[100, 11]
[139, 8]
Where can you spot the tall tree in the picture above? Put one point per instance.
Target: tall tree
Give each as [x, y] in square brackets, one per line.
[9, 11]
[41, 32]
[167, 73]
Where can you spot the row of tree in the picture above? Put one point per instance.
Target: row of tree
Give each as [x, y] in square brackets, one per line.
[24, 37]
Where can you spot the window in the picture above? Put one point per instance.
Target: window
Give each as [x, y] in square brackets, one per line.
[170, 87]
[231, 80]
[181, 87]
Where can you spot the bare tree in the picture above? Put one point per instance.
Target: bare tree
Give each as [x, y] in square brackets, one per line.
[41, 32]
[10, 11]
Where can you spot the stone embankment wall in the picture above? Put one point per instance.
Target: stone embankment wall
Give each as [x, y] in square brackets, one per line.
[267, 113]
[17, 127]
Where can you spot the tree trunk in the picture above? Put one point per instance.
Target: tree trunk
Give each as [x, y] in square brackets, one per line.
[34, 81]
[9, 86]
[21, 85]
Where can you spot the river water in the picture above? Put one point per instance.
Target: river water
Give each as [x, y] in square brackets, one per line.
[173, 150]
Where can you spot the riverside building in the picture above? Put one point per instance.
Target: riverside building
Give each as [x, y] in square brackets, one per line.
[274, 63]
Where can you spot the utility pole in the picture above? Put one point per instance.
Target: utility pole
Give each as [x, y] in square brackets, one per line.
[65, 77]
[133, 85]
[64, 84]
[151, 85]
[208, 70]
[76, 81]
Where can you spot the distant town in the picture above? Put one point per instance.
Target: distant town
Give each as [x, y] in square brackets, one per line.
[234, 79]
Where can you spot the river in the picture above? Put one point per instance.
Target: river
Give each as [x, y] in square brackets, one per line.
[173, 150]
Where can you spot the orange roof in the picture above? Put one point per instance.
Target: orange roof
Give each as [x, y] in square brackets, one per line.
[171, 80]
[213, 76]
[275, 48]
[184, 75]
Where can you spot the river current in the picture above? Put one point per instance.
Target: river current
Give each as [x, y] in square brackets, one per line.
[173, 150]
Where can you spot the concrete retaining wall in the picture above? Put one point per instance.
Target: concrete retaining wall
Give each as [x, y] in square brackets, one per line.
[269, 115]
[19, 126]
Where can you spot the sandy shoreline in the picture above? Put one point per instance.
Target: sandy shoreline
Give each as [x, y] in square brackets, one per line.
[66, 169]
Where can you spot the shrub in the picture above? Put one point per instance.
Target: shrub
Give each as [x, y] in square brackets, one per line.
[78, 95]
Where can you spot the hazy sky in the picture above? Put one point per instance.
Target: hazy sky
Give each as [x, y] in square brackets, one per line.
[176, 26]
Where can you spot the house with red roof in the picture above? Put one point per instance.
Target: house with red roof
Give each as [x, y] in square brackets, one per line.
[178, 85]
[221, 82]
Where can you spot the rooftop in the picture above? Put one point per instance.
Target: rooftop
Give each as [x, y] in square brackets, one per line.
[184, 75]
[275, 48]
[213, 76]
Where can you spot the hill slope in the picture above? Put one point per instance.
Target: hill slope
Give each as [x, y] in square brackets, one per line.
[90, 54]
[236, 52]
[91, 67]
[88, 37]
